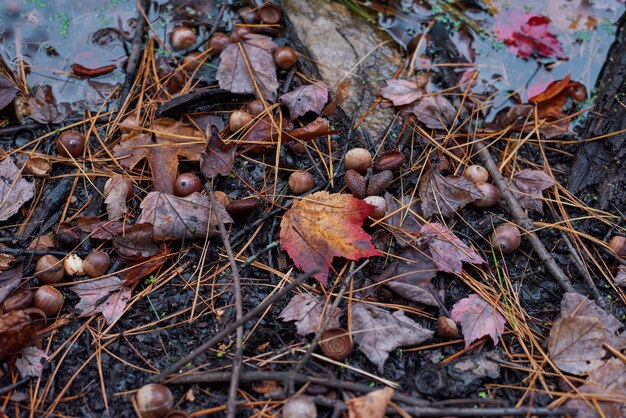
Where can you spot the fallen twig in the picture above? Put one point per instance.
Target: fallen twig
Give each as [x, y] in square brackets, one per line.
[136, 49]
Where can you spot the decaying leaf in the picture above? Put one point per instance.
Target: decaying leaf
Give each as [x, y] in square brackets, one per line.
[528, 34]
[447, 250]
[528, 186]
[18, 329]
[116, 191]
[410, 276]
[190, 217]
[218, 157]
[372, 405]
[378, 332]
[97, 228]
[445, 194]
[9, 280]
[323, 226]
[620, 277]
[138, 270]
[136, 243]
[249, 64]
[43, 106]
[301, 100]
[308, 311]
[6, 261]
[29, 362]
[108, 296]
[35, 163]
[7, 92]
[435, 112]
[405, 92]
[173, 139]
[14, 189]
[477, 319]
[401, 218]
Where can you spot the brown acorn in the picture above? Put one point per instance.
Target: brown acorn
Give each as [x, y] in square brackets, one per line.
[49, 269]
[270, 13]
[301, 182]
[379, 182]
[218, 42]
[186, 184]
[285, 57]
[356, 183]
[17, 301]
[96, 263]
[154, 400]
[506, 237]
[358, 159]
[447, 327]
[380, 206]
[491, 195]
[618, 245]
[71, 143]
[49, 300]
[239, 32]
[182, 37]
[243, 207]
[336, 344]
[390, 160]
[476, 173]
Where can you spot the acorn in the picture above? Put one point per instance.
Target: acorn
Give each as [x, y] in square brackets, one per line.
[301, 182]
[476, 173]
[182, 37]
[285, 57]
[379, 182]
[239, 32]
[186, 184]
[239, 120]
[270, 13]
[49, 269]
[447, 327]
[18, 301]
[577, 92]
[249, 15]
[49, 300]
[299, 406]
[358, 159]
[154, 400]
[618, 245]
[71, 143]
[390, 160]
[73, 265]
[356, 183]
[243, 207]
[218, 42]
[380, 206]
[491, 195]
[192, 61]
[96, 263]
[255, 107]
[506, 237]
[336, 344]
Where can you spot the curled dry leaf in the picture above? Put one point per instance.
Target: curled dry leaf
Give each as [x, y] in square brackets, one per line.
[249, 64]
[528, 185]
[108, 296]
[303, 99]
[447, 250]
[6, 260]
[378, 332]
[14, 189]
[116, 191]
[372, 405]
[405, 92]
[620, 277]
[173, 139]
[9, 280]
[323, 226]
[218, 157]
[477, 319]
[308, 311]
[43, 106]
[29, 362]
[435, 112]
[19, 329]
[7, 92]
[35, 164]
[189, 217]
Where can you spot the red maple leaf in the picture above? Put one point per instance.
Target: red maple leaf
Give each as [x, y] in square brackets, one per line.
[532, 36]
[477, 319]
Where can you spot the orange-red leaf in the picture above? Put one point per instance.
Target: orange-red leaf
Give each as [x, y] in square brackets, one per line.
[323, 226]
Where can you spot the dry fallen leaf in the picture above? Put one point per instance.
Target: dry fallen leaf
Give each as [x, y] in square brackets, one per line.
[435, 112]
[7, 92]
[6, 260]
[527, 34]
[477, 319]
[29, 362]
[378, 332]
[19, 329]
[323, 226]
[528, 186]
[308, 311]
[136, 243]
[43, 106]
[301, 100]
[447, 250]
[108, 296]
[116, 191]
[9, 280]
[405, 92]
[249, 64]
[372, 405]
[190, 217]
[218, 157]
[401, 218]
[173, 139]
[14, 189]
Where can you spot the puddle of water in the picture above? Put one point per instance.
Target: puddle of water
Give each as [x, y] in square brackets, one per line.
[584, 28]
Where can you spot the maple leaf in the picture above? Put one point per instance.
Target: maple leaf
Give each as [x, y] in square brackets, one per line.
[410, 276]
[477, 319]
[108, 296]
[189, 217]
[528, 185]
[116, 191]
[7, 92]
[173, 139]
[249, 64]
[404, 92]
[447, 250]
[218, 157]
[533, 36]
[378, 332]
[301, 100]
[323, 226]
[308, 311]
[43, 106]
[372, 405]
[445, 194]
[14, 189]
[29, 362]
[435, 112]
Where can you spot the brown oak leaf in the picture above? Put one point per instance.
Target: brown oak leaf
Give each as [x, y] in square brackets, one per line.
[307, 310]
[477, 319]
[172, 139]
[323, 226]
[303, 99]
[108, 296]
[435, 112]
[14, 189]
[528, 186]
[372, 405]
[218, 157]
[379, 332]
[249, 64]
[447, 250]
[116, 191]
[405, 92]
